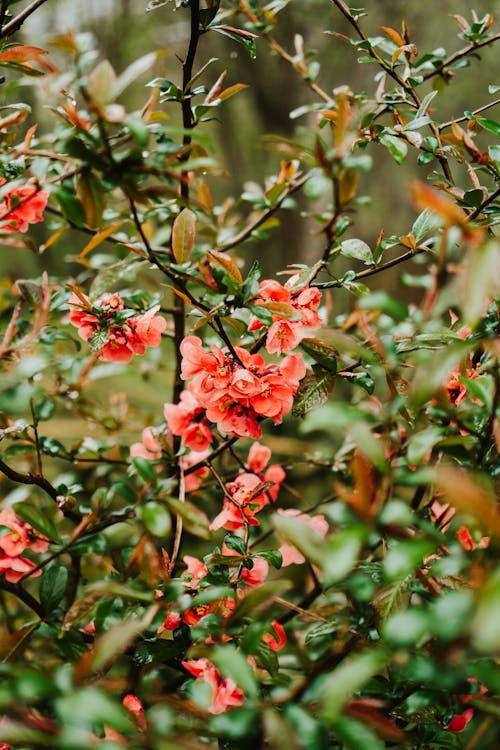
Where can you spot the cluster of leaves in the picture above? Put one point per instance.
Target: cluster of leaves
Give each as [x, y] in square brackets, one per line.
[391, 620]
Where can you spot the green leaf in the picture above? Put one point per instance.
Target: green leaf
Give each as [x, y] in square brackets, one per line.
[484, 628]
[422, 443]
[245, 38]
[233, 664]
[494, 154]
[391, 598]
[324, 354]
[71, 207]
[314, 390]
[145, 468]
[85, 706]
[39, 520]
[195, 520]
[155, 518]
[382, 301]
[355, 735]
[347, 679]
[272, 556]
[53, 586]
[255, 598]
[310, 733]
[404, 557]
[357, 249]
[396, 146]
[407, 628]
[183, 234]
[44, 409]
[490, 125]
[341, 554]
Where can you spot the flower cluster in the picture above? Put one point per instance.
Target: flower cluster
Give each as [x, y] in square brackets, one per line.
[224, 691]
[17, 538]
[113, 331]
[22, 206]
[237, 394]
[293, 314]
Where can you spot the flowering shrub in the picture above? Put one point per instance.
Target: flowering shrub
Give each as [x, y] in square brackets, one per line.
[236, 512]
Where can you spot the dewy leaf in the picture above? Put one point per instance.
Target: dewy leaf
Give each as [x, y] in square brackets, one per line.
[348, 678]
[396, 146]
[357, 249]
[183, 234]
[314, 390]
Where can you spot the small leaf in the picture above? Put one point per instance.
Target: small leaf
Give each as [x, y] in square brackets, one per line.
[324, 354]
[227, 263]
[396, 146]
[155, 518]
[183, 234]
[194, 519]
[314, 390]
[129, 75]
[71, 207]
[246, 38]
[357, 249]
[100, 237]
[348, 678]
[341, 554]
[53, 587]
[38, 520]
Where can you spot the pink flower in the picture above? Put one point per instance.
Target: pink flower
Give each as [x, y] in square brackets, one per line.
[22, 206]
[149, 327]
[196, 569]
[149, 448]
[225, 692]
[283, 335]
[258, 457]
[20, 537]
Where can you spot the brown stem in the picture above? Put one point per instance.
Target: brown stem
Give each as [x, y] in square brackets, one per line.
[16, 23]
[24, 596]
[467, 117]
[459, 54]
[371, 271]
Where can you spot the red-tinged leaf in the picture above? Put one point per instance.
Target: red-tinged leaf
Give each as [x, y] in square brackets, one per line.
[227, 263]
[216, 89]
[232, 90]
[282, 309]
[183, 234]
[470, 497]
[364, 494]
[425, 196]
[100, 237]
[384, 727]
[393, 35]
[238, 32]
[25, 53]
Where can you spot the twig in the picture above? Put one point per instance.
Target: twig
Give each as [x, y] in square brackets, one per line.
[16, 23]
[371, 271]
[459, 54]
[466, 117]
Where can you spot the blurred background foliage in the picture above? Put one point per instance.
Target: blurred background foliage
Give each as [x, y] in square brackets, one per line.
[123, 30]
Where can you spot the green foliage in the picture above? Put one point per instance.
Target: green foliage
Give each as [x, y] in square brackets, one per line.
[166, 582]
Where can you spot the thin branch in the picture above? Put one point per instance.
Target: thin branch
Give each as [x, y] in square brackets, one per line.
[459, 54]
[466, 117]
[477, 211]
[24, 596]
[216, 452]
[16, 23]
[372, 271]
[247, 231]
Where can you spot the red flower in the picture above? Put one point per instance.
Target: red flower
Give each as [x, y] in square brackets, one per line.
[225, 692]
[22, 206]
